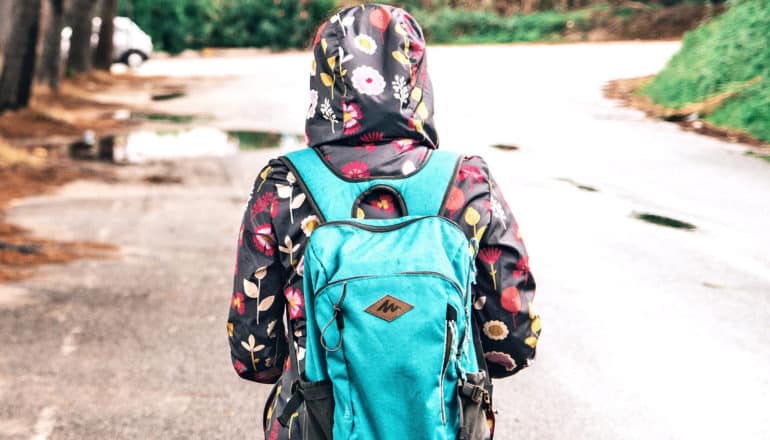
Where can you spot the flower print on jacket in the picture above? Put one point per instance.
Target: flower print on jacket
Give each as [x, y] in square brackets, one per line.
[356, 170]
[350, 117]
[472, 173]
[495, 330]
[313, 104]
[309, 224]
[490, 255]
[328, 112]
[368, 81]
[265, 202]
[384, 203]
[404, 145]
[365, 44]
[294, 302]
[455, 201]
[400, 90]
[238, 303]
[264, 239]
[372, 137]
[239, 366]
[501, 359]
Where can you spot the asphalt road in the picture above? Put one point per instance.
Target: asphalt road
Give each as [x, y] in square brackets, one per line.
[649, 332]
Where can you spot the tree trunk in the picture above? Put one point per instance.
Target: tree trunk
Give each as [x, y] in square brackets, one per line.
[19, 64]
[50, 61]
[80, 15]
[103, 55]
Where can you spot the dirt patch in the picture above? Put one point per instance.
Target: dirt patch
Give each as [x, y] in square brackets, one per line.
[24, 174]
[19, 252]
[687, 117]
[639, 21]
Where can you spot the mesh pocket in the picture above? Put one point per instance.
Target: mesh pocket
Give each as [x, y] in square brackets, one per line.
[319, 402]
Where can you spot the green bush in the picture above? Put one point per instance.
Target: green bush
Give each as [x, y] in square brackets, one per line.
[724, 55]
[179, 24]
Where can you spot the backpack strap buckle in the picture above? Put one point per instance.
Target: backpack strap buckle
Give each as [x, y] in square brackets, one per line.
[476, 393]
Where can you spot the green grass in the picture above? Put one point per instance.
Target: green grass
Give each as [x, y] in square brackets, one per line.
[724, 55]
[460, 26]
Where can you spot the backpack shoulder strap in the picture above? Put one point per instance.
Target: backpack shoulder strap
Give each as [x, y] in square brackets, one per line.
[334, 195]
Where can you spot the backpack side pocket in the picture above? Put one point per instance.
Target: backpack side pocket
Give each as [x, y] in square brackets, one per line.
[474, 399]
[319, 401]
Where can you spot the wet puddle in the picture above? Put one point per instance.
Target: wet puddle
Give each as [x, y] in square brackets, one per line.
[165, 96]
[506, 147]
[577, 185]
[663, 221]
[149, 145]
[167, 117]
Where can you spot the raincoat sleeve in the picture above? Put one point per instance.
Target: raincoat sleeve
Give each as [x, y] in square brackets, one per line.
[505, 288]
[255, 326]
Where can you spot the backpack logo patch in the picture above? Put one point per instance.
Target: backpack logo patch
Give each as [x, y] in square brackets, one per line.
[388, 308]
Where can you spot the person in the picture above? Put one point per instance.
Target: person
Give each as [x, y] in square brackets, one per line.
[371, 116]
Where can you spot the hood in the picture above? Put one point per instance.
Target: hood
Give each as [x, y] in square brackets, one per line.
[369, 81]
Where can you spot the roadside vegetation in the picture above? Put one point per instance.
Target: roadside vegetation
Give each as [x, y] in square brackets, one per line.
[281, 24]
[722, 71]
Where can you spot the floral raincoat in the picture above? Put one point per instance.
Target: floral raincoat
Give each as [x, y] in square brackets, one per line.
[371, 115]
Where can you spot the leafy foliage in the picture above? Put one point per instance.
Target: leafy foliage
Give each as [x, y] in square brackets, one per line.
[178, 24]
[729, 53]
[478, 26]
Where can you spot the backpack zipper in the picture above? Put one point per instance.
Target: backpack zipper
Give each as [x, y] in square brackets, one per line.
[387, 228]
[454, 283]
[448, 341]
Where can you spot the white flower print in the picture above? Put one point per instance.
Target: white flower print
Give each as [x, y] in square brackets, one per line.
[497, 210]
[328, 112]
[400, 89]
[347, 21]
[313, 103]
[365, 44]
[368, 81]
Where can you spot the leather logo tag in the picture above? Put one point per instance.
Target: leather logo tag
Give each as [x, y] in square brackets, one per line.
[388, 308]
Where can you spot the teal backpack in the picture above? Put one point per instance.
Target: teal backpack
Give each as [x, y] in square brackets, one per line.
[392, 351]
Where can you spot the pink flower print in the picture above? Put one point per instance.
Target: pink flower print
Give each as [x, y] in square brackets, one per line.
[403, 145]
[295, 301]
[369, 148]
[522, 268]
[490, 255]
[368, 81]
[356, 170]
[473, 174]
[238, 303]
[372, 137]
[417, 49]
[264, 239]
[266, 202]
[275, 429]
[351, 115]
[239, 366]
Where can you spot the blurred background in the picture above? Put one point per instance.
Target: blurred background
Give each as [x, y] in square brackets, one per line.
[630, 137]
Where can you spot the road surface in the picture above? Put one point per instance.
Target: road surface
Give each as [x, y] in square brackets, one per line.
[649, 332]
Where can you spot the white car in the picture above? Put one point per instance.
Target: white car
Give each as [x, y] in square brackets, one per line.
[130, 45]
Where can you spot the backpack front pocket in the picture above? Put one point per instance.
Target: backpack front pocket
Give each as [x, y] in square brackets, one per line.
[390, 346]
